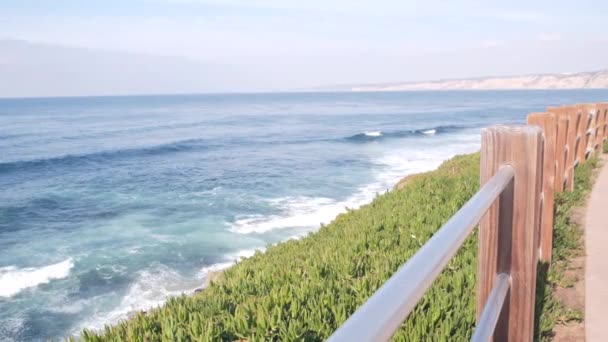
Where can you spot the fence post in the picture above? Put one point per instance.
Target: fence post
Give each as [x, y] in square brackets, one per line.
[561, 149]
[595, 125]
[581, 132]
[590, 113]
[548, 124]
[571, 144]
[601, 125]
[604, 118]
[508, 232]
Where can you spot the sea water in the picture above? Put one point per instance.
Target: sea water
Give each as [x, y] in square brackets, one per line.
[109, 205]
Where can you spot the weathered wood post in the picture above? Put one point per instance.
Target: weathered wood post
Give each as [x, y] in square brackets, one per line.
[605, 121]
[602, 112]
[595, 128]
[571, 145]
[547, 122]
[579, 141]
[587, 119]
[508, 232]
[561, 148]
[604, 118]
[600, 122]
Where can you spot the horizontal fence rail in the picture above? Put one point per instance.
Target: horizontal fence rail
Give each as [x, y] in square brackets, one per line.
[491, 312]
[383, 313]
[522, 167]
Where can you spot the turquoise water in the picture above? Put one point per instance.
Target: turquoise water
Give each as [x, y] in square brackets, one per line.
[109, 205]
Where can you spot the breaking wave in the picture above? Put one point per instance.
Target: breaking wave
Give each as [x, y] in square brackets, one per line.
[14, 280]
[307, 213]
[153, 286]
[376, 135]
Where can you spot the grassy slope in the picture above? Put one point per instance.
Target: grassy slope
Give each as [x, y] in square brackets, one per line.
[303, 290]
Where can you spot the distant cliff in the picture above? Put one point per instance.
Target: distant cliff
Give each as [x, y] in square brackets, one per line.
[589, 80]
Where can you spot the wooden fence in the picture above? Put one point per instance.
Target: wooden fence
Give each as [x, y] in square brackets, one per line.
[514, 237]
[522, 168]
[570, 135]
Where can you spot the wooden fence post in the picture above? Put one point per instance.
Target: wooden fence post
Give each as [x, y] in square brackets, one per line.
[581, 125]
[571, 144]
[587, 118]
[547, 122]
[600, 126]
[604, 117]
[561, 148]
[595, 126]
[605, 121]
[602, 112]
[508, 232]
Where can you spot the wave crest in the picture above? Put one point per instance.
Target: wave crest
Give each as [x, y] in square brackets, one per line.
[371, 135]
[14, 280]
[299, 212]
[375, 135]
[105, 156]
[304, 214]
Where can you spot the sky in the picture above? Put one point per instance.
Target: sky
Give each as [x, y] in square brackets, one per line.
[273, 45]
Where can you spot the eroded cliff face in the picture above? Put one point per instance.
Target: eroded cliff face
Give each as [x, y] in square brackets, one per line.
[583, 80]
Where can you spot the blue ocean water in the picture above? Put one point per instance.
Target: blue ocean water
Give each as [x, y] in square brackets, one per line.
[109, 205]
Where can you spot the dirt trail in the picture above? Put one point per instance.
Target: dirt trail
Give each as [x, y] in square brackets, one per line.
[596, 265]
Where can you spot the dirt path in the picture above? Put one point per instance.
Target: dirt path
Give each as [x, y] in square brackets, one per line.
[596, 266]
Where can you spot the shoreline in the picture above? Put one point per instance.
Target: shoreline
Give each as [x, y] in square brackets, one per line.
[214, 275]
[215, 272]
[254, 283]
[357, 251]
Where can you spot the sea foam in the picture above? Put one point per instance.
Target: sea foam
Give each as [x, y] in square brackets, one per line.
[153, 286]
[14, 280]
[307, 213]
[373, 134]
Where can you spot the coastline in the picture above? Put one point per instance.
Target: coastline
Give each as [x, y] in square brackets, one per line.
[257, 286]
[225, 278]
[388, 169]
[215, 272]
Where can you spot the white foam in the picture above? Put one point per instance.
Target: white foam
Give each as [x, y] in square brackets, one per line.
[373, 133]
[205, 271]
[298, 212]
[430, 131]
[14, 280]
[245, 253]
[308, 213]
[232, 259]
[154, 286]
[68, 306]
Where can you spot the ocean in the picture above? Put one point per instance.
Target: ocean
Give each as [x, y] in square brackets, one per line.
[109, 205]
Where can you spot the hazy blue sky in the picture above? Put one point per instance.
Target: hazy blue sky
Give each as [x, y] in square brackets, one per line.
[282, 44]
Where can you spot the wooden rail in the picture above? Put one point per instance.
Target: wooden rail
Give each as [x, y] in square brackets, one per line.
[514, 236]
[522, 167]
